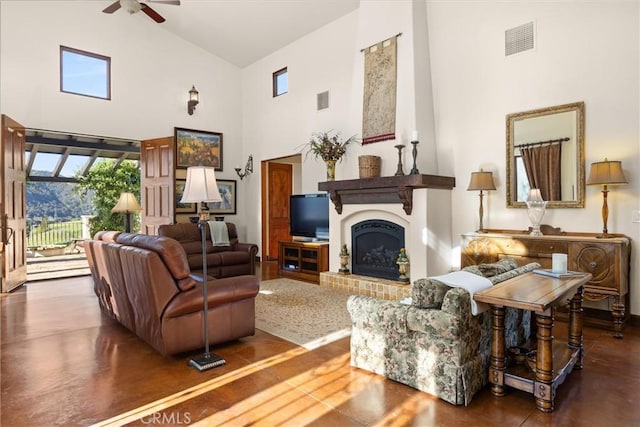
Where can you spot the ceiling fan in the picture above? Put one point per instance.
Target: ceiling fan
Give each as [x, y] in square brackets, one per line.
[135, 6]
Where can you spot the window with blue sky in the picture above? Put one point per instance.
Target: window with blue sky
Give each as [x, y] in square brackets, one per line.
[280, 82]
[85, 73]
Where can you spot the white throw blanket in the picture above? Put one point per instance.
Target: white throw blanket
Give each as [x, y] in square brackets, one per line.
[219, 233]
[469, 281]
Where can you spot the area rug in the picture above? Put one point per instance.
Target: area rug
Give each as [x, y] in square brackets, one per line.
[302, 313]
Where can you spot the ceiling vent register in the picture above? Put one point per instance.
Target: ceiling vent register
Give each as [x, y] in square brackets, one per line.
[519, 39]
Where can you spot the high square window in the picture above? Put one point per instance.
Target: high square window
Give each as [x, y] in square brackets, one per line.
[85, 73]
[280, 82]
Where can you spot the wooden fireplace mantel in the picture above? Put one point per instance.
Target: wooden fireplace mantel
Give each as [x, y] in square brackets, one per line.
[386, 189]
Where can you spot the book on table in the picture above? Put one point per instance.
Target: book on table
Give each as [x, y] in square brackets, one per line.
[549, 272]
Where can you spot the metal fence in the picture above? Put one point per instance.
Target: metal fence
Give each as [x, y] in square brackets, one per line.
[52, 232]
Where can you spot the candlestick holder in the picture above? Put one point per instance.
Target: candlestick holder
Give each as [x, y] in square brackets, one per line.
[414, 152]
[399, 171]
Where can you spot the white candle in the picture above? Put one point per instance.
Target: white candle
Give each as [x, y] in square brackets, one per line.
[414, 135]
[559, 263]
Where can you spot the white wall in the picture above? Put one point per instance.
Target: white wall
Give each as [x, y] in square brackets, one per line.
[586, 51]
[152, 72]
[331, 59]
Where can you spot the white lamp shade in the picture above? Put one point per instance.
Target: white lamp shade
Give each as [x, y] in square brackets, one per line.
[127, 203]
[201, 185]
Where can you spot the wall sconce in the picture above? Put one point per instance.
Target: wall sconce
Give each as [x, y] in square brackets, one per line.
[606, 173]
[248, 168]
[193, 100]
[481, 181]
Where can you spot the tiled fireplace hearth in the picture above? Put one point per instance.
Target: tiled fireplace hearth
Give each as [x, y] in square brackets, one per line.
[364, 285]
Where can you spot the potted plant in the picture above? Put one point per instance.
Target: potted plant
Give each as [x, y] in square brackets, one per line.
[330, 148]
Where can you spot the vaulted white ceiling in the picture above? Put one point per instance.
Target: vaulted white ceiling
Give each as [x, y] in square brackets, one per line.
[244, 31]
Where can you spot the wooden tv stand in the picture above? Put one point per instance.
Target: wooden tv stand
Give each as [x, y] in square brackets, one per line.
[303, 260]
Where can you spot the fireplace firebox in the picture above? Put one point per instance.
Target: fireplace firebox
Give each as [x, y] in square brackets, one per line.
[375, 245]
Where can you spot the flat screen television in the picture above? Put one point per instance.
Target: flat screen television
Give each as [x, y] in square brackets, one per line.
[309, 216]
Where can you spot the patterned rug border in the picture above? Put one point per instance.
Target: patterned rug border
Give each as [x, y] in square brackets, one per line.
[302, 313]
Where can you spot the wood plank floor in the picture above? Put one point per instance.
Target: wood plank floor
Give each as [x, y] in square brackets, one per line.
[63, 363]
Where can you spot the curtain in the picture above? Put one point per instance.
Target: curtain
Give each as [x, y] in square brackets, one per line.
[542, 164]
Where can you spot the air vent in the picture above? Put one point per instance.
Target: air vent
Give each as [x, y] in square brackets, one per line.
[518, 39]
[323, 100]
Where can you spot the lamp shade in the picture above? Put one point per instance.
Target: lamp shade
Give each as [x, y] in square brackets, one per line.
[127, 203]
[201, 185]
[607, 172]
[481, 181]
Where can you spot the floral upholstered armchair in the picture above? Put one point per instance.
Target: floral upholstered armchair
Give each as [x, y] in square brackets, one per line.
[434, 343]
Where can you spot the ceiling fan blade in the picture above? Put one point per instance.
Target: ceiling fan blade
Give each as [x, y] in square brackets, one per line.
[152, 13]
[174, 2]
[112, 8]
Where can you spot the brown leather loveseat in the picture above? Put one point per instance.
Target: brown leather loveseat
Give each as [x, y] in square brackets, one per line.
[145, 283]
[222, 261]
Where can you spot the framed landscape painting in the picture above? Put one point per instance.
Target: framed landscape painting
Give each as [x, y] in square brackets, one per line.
[227, 189]
[183, 207]
[198, 148]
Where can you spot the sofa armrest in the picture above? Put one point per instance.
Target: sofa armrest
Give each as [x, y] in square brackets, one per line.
[246, 247]
[219, 292]
[379, 314]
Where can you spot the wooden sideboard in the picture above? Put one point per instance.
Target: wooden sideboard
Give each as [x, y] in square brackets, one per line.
[606, 259]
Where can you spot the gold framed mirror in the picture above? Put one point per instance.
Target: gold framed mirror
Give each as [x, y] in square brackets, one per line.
[545, 150]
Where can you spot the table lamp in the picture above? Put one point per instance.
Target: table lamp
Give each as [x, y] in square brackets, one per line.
[201, 187]
[481, 181]
[127, 204]
[606, 173]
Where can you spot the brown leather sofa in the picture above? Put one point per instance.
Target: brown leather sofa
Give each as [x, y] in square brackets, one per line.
[145, 283]
[222, 261]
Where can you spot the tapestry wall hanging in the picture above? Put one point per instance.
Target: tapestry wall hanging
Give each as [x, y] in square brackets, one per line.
[379, 108]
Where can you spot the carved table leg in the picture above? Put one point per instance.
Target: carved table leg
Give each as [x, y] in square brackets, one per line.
[498, 361]
[575, 326]
[543, 388]
[618, 317]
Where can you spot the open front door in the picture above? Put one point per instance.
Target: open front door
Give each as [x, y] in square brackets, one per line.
[13, 222]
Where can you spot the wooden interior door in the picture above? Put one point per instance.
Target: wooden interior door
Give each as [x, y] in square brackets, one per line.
[279, 184]
[14, 222]
[157, 188]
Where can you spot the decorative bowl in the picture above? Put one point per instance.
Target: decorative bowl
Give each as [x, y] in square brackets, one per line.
[194, 219]
[531, 360]
[517, 354]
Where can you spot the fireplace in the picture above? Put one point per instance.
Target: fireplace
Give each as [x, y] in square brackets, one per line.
[375, 246]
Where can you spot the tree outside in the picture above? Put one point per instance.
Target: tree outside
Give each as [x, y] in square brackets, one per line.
[105, 181]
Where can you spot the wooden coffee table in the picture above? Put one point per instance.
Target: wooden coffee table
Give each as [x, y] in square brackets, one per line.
[555, 360]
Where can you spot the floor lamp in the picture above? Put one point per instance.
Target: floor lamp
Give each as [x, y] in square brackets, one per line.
[127, 204]
[481, 181]
[201, 187]
[606, 173]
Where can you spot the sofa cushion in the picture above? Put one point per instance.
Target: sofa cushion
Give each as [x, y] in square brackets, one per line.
[168, 249]
[428, 293]
[499, 267]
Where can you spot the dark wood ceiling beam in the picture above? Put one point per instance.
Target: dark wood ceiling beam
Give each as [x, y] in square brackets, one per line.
[129, 148]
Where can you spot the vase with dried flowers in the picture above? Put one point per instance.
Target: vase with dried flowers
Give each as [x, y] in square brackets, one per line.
[330, 148]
